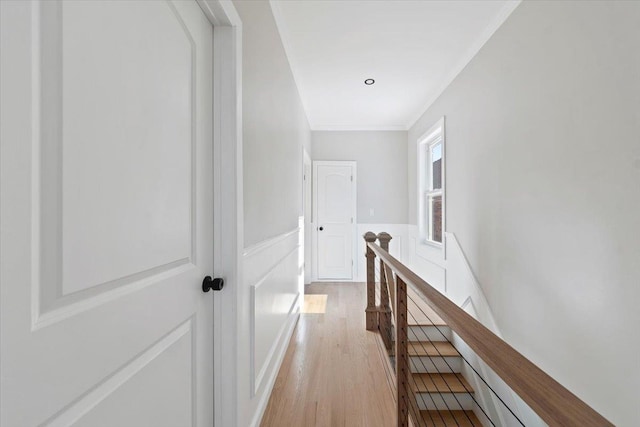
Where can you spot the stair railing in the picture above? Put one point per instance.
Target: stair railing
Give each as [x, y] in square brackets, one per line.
[387, 313]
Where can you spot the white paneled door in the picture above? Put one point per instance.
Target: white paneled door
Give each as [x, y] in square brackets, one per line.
[335, 196]
[106, 214]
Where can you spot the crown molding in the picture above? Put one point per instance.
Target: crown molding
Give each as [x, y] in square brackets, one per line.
[358, 128]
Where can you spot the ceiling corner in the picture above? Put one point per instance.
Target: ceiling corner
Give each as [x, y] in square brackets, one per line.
[286, 44]
[484, 37]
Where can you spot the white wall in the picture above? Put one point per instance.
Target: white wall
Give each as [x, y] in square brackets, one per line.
[543, 166]
[275, 130]
[381, 158]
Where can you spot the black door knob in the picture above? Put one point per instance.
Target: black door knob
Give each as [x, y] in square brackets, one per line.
[216, 284]
[321, 228]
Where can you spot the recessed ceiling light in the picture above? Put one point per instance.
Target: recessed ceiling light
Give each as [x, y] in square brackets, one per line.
[369, 82]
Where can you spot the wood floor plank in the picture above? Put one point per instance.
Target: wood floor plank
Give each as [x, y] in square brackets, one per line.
[314, 304]
[332, 373]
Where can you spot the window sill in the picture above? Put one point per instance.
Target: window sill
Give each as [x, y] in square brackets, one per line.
[431, 244]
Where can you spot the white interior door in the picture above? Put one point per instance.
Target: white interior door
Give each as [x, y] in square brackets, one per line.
[335, 184]
[106, 214]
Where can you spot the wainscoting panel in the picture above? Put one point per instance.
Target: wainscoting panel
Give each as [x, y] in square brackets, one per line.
[273, 275]
[426, 261]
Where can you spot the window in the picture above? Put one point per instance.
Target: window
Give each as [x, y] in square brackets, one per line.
[431, 175]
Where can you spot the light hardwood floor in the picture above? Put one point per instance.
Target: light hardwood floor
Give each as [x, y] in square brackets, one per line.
[332, 373]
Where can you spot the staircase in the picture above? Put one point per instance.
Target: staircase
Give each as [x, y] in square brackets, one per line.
[425, 371]
[442, 394]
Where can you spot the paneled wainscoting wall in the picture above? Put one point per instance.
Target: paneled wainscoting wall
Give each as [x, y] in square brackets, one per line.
[273, 274]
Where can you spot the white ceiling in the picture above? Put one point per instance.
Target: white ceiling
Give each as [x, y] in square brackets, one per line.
[413, 50]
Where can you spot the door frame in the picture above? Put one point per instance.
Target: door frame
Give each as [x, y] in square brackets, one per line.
[307, 213]
[228, 238]
[354, 213]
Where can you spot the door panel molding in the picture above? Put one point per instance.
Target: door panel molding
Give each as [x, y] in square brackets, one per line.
[54, 303]
[82, 301]
[85, 403]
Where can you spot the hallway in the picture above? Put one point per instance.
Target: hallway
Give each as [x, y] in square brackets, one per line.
[331, 374]
[173, 173]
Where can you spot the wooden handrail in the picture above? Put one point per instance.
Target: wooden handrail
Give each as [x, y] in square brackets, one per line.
[556, 405]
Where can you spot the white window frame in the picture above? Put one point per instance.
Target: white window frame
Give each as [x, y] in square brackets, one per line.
[435, 135]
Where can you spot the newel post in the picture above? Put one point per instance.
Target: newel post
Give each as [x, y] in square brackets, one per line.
[384, 318]
[371, 311]
[384, 239]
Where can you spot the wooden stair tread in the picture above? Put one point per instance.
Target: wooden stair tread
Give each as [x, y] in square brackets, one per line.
[450, 418]
[420, 313]
[440, 383]
[432, 348]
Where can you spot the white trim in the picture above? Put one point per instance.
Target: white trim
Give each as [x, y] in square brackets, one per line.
[221, 13]
[321, 127]
[307, 216]
[436, 133]
[354, 213]
[227, 200]
[484, 37]
[435, 244]
[429, 192]
[260, 246]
